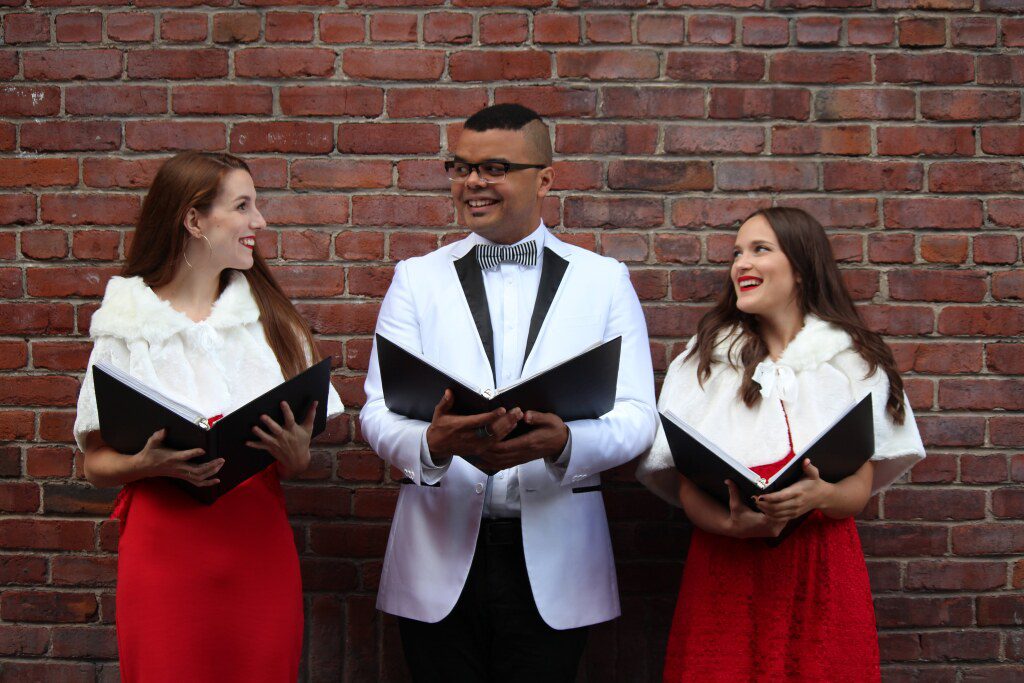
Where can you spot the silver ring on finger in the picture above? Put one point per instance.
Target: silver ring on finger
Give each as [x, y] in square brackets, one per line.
[484, 432]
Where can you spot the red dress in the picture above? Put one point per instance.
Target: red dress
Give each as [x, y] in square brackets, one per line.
[801, 611]
[208, 593]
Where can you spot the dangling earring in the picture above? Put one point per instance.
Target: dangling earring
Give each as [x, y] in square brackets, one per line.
[210, 246]
[185, 256]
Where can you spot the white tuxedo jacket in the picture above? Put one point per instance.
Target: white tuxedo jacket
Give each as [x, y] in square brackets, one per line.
[430, 308]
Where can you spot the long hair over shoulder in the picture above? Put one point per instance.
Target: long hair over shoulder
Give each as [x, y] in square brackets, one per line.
[821, 292]
[192, 180]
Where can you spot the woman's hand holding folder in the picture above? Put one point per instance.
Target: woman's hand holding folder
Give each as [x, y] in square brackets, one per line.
[106, 467]
[839, 500]
[289, 444]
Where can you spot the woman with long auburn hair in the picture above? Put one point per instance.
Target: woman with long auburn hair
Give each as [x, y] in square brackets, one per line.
[205, 593]
[777, 359]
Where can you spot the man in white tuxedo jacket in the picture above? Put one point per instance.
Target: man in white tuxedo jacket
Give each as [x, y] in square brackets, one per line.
[499, 555]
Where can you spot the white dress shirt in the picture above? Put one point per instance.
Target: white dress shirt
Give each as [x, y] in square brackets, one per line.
[511, 293]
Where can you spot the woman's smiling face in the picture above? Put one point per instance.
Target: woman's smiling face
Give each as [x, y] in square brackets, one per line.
[762, 275]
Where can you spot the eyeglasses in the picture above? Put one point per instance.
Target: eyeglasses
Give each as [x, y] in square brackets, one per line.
[487, 171]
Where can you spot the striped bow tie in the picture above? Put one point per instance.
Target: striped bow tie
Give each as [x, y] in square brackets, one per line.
[490, 256]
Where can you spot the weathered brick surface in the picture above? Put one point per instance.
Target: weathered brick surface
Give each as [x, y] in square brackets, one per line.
[896, 122]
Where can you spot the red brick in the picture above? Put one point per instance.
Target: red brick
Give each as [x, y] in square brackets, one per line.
[870, 31]
[1007, 431]
[765, 31]
[981, 394]
[13, 356]
[305, 209]
[46, 534]
[1006, 212]
[455, 28]
[404, 211]
[403, 245]
[127, 173]
[915, 213]
[17, 425]
[174, 135]
[77, 209]
[25, 27]
[222, 99]
[39, 606]
[130, 27]
[1004, 140]
[714, 213]
[423, 174]
[898, 320]
[312, 100]
[714, 139]
[29, 101]
[973, 31]
[66, 64]
[843, 140]
[288, 27]
[95, 244]
[52, 283]
[369, 280]
[976, 177]
[340, 174]
[934, 504]
[308, 245]
[840, 212]
[944, 248]
[388, 138]
[115, 99]
[503, 29]
[995, 249]
[983, 469]
[282, 136]
[676, 248]
[715, 66]
[1013, 32]
[660, 176]
[617, 212]
[948, 286]
[394, 65]
[8, 66]
[922, 31]
[25, 319]
[760, 103]
[925, 68]
[431, 102]
[1005, 358]
[766, 175]
[44, 244]
[709, 29]
[57, 426]
[819, 30]
[820, 67]
[359, 246]
[855, 103]
[649, 284]
[698, 284]
[557, 28]
[925, 141]
[549, 100]
[192, 63]
[661, 102]
[988, 539]
[659, 29]
[1008, 286]
[243, 27]
[867, 175]
[1005, 69]
[73, 27]
[311, 281]
[971, 105]
[21, 640]
[989, 321]
[18, 208]
[676, 320]
[39, 172]
[500, 65]
[605, 138]
[77, 642]
[183, 27]
[18, 497]
[52, 136]
[284, 62]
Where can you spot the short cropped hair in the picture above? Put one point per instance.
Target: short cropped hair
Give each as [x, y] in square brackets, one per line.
[514, 117]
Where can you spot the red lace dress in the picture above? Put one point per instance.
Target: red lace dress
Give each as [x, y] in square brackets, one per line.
[208, 593]
[801, 611]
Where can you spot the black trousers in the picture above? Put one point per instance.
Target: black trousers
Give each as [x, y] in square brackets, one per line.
[494, 633]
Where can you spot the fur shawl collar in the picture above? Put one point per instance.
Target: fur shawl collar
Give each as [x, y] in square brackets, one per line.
[131, 310]
[816, 343]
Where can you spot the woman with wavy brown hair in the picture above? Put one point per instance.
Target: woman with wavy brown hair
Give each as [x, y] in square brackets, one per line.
[777, 359]
[205, 592]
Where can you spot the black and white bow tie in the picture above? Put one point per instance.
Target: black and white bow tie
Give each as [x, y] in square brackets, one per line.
[490, 256]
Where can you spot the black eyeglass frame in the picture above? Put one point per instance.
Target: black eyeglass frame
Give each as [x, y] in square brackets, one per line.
[509, 166]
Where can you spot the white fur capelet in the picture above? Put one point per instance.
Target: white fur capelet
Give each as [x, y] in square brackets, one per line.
[214, 366]
[818, 375]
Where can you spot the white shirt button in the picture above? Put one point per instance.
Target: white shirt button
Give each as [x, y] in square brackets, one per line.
[479, 488]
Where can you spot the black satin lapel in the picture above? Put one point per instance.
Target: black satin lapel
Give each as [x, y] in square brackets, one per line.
[472, 281]
[550, 277]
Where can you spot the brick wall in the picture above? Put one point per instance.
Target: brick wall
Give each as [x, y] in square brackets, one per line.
[896, 122]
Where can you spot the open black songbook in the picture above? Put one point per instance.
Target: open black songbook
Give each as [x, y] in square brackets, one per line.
[130, 411]
[838, 451]
[579, 388]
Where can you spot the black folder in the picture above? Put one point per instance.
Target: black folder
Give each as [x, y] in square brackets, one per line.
[837, 452]
[130, 412]
[579, 388]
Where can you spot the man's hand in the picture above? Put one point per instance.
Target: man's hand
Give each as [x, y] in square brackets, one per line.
[467, 435]
[546, 440]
